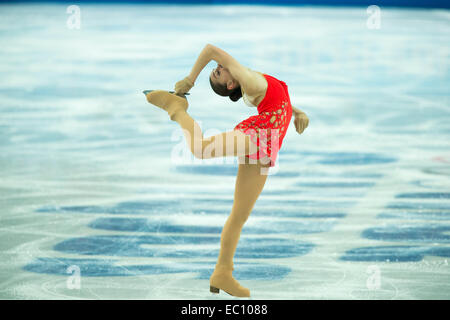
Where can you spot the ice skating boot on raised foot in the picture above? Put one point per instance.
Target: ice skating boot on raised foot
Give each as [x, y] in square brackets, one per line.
[167, 101]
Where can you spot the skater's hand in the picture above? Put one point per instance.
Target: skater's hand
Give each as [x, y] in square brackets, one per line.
[301, 121]
[183, 86]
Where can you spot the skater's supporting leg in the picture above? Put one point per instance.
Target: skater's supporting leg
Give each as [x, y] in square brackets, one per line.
[249, 184]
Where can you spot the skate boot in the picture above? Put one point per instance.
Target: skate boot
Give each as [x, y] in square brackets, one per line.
[167, 101]
[223, 279]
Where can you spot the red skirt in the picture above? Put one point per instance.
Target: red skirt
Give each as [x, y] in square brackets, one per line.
[267, 131]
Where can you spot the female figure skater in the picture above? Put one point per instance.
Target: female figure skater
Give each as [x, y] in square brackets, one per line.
[258, 137]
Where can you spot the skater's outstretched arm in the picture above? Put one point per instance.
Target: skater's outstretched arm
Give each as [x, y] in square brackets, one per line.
[251, 81]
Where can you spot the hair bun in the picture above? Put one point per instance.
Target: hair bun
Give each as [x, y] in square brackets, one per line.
[236, 94]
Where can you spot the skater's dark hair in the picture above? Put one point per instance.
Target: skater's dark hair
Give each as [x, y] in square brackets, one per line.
[222, 90]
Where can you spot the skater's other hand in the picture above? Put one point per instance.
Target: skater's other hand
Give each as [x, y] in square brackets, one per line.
[301, 121]
[183, 86]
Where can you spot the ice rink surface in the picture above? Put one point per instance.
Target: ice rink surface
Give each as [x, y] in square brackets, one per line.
[100, 199]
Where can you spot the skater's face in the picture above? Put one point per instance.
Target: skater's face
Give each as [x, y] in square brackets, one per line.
[221, 75]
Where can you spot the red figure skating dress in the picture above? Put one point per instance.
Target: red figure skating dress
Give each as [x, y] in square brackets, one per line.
[268, 128]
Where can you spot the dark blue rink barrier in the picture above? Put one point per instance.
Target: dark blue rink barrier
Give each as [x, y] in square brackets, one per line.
[334, 3]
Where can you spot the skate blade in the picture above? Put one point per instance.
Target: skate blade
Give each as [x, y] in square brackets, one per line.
[182, 95]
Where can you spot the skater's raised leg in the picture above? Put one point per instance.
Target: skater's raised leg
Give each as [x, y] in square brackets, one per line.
[231, 143]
